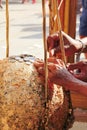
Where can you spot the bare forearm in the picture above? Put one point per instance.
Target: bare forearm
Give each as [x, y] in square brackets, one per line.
[68, 81]
[78, 43]
[77, 86]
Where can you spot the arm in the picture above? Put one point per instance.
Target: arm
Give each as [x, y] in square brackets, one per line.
[58, 74]
[76, 85]
[71, 45]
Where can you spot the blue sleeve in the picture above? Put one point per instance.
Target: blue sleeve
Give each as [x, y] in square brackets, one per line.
[84, 4]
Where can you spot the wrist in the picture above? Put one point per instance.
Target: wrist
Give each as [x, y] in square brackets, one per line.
[81, 46]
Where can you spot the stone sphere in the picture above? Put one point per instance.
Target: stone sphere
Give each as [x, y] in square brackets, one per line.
[22, 98]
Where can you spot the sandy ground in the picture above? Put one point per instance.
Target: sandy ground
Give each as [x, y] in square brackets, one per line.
[25, 34]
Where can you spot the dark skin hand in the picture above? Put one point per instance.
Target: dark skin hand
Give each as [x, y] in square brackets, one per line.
[81, 68]
[58, 74]
[71, 45]
[56, 70]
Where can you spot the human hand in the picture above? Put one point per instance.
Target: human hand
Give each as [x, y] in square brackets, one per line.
[57, 72]
[71, 45]
[81, 68]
